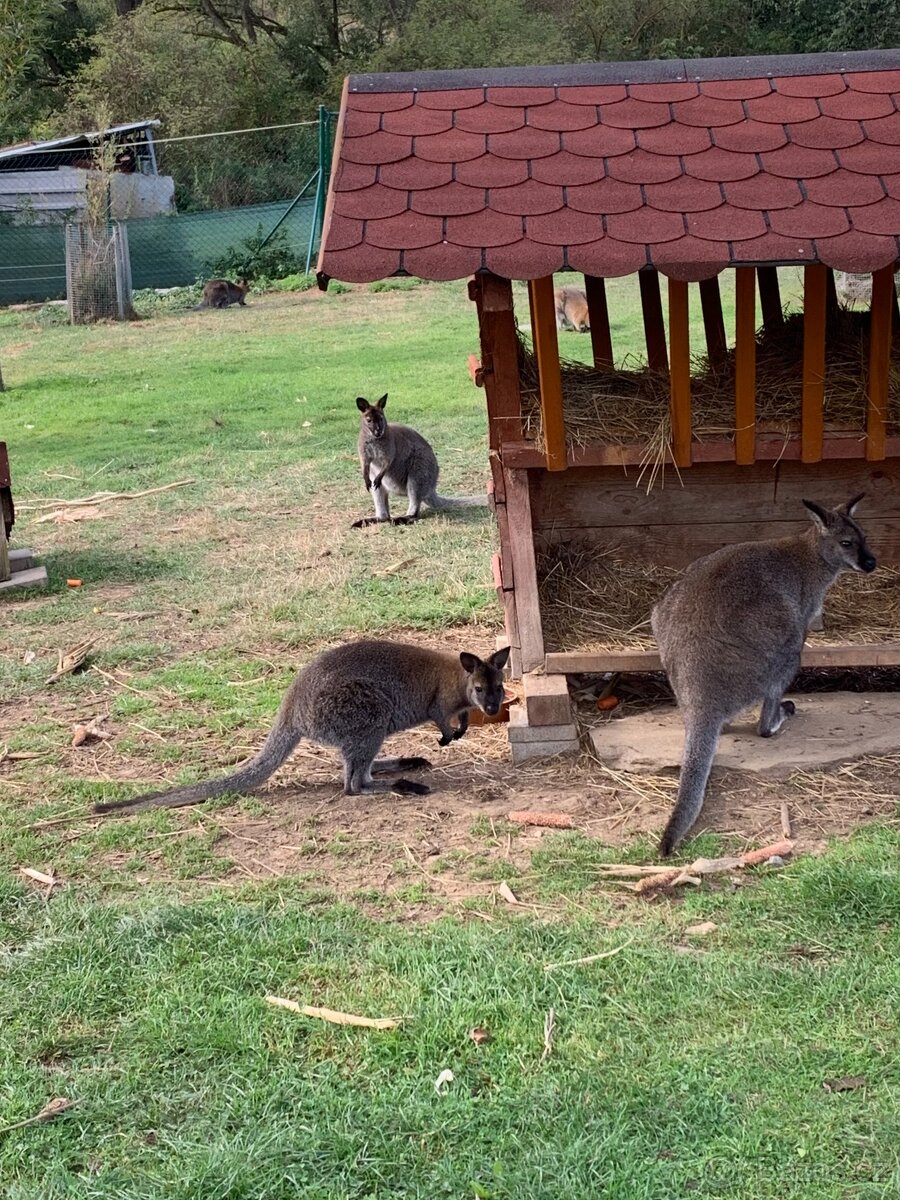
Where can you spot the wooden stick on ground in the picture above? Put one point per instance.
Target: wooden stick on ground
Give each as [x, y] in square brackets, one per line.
[591, 958]
[786, 819]
[100, 497]
[334, 1017]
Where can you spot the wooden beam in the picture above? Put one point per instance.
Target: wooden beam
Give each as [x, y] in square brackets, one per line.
[832, 306]
[680, 372]
[528, 605]
[769, 448]
[770, 297]
[598, 313]
[713, 321]
[745, 365]
[815, 299]
[499, 365]
[882, 312]
[873, 654]
[654, 326]
[546, 350]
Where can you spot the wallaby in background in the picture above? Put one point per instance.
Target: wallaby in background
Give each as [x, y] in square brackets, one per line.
[397, 461]
[219, 293]
[730, 632]
[353, 697]
[571, 309]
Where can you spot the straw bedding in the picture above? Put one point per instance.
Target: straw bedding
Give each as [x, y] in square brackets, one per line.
[628, 405]
[596, 600]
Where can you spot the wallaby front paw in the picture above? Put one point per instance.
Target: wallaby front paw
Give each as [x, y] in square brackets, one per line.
[459, 732]
[788, 707]
[445, 740]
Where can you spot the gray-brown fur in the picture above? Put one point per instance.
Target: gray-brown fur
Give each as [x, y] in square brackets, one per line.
[352, 698]
[219, 293]
[571, 309]
[731, 630]
[397, 461]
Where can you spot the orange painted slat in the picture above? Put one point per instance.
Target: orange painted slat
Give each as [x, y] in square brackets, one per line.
[546, 349]
[813, 413]
[598, 312]
[745, 365]
[879, 362]
[680, 372]
[654, 326]
[713, 321]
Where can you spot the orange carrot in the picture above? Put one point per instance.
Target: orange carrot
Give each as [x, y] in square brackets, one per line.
[754, 857]
[551, 820]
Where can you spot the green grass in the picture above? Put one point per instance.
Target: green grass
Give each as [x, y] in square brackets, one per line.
[679, 1067]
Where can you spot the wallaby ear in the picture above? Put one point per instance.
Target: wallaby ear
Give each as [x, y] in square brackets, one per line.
[820, 515]
[469, 661]
[499, 658]
[849, 507]
[382, 402]
[362, 403]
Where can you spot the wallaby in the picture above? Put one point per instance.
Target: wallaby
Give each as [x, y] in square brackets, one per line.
[353, 697]
[571, 309]
[397, 461]
[219, 293]
[731, 630]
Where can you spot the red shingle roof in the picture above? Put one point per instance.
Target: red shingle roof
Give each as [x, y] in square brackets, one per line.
[605, 168]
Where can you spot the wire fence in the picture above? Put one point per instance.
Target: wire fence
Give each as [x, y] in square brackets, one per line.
[243, 202]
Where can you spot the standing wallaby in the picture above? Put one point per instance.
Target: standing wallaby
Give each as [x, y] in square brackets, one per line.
[219, 293]
[571, 309]
[353, 697]
[731, 630]
[397, 461]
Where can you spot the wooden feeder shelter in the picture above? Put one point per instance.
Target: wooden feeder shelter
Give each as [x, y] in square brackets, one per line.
[676, 169]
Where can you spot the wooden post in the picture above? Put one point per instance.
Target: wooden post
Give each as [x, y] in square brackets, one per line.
[812, 428]
[5, 569]
[713, 321]
[499, 365]
[882, 311]
[654, 326]
[680, 374]
[598, 313]
[2, 386]
[832, 307]
[546, 350]
[770, 297]
[521, 533]
[745, 365]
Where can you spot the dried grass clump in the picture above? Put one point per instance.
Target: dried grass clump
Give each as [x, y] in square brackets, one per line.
[631, 404]
[594, 600]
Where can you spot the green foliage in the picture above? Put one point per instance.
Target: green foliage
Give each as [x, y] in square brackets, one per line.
[274, 260]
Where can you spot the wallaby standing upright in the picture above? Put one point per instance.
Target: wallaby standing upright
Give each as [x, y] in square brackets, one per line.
[571, 309]
[397, 461]
[353, 697]
[219, 293]
[731, 630]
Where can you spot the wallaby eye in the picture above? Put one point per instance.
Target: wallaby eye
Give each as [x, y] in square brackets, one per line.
[478, 688]
[846, 542]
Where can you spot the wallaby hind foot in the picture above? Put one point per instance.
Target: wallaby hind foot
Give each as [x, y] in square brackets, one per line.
[774, 714]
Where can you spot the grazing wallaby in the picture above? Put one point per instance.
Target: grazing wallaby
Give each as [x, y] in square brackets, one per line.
[730, 632]
[397, 461]
[353, 697]
[571, 309]
[219, 293]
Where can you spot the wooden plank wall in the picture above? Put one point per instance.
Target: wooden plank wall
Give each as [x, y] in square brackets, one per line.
[715, 505]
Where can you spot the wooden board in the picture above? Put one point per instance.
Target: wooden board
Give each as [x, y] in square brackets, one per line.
[770, 297]
[654, 325]
[598, 314]
[813, 403]
[680, 372]
[546, 352]
[528, 612]
[712, 493]
[499, 363]
[881, 654]
[879, 362]
[770, 448]
[713, 320]
[745, 365]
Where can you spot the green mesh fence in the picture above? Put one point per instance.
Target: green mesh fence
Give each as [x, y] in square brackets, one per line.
[253, 203]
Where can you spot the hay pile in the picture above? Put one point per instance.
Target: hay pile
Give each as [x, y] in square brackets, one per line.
[598, 600]
[617, 407]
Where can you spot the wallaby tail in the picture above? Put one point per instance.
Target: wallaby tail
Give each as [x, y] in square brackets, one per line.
[438, 502]
[699, 751]
[278, 745]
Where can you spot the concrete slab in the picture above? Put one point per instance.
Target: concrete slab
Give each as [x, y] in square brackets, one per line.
[828, 728]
